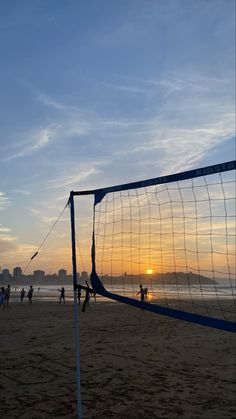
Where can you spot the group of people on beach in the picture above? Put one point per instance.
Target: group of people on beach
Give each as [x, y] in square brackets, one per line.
[5, 295]
[88, 292]
[6, 292]
[29, 294]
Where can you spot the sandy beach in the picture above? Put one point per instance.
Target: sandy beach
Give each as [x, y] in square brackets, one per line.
[134, 364]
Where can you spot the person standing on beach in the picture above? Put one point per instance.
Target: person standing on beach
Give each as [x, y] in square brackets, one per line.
[22, 294]
[87, 298]
[30, 294]
[7, 295]
[2, 297]
[92, 292]
[62, 295]
[142, 292]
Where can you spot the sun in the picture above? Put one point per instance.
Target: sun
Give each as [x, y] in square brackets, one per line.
[149, 271]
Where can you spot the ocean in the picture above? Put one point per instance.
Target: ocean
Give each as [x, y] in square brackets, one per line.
[195, 292]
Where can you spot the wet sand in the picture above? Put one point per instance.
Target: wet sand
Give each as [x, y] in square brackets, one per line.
[134, 364]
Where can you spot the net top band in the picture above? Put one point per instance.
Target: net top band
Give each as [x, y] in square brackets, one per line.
[189, 174]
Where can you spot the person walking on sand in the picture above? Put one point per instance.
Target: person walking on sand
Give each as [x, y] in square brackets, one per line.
[2, 297]
[142, 292]
[30, 294]
[7, 295]
[22, 294]
[62, 295]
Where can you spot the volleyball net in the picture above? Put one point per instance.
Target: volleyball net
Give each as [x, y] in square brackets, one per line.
[167, 244]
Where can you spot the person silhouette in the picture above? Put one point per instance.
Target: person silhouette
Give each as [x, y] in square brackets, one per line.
[87, 298]
[22, 294]
[2, 297]
[7, 295]
[30, 294]
[62, 295]
[142, 292]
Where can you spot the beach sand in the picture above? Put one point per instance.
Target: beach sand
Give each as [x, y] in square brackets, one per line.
[134, 364]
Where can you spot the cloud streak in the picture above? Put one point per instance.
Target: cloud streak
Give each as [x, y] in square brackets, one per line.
[21, 192]
[4, 201]
[7, 241]
[76, 177]
[37, 140]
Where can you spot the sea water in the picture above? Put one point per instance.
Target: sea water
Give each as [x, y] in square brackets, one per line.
[52, 292]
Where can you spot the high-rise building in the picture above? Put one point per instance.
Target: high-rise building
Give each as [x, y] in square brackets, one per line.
[62, 275]
[17, 273]
[39, 275]
[6, 275]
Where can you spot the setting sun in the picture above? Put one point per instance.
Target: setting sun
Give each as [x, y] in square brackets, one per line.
[149, 271]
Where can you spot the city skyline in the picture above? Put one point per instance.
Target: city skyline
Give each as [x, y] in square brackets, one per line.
[17, 272]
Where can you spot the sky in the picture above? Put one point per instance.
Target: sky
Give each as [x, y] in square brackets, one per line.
[98, 93]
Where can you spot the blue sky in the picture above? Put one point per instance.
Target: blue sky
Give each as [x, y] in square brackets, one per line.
[95, 93]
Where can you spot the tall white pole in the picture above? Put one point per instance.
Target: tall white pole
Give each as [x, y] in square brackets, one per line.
[76, 311]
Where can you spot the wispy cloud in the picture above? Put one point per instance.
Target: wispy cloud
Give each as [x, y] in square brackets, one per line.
[42, 215]
[5, 234]
[7, 240]
[76, 177]
[59, 105]
[42, 139]
[21, 192]
[48, 101]
[125, 88]
[5, 247]
[16, 254]
[195, 82]
[181, 148]
[4, 229]
[188, 126]
[36, 141]
[191, 121]
[4, 201]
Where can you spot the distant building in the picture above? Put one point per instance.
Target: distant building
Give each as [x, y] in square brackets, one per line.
[39, 275]
[62, 275]
[84, 276]
[6, 275]
[51, 277]
[17, 273]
